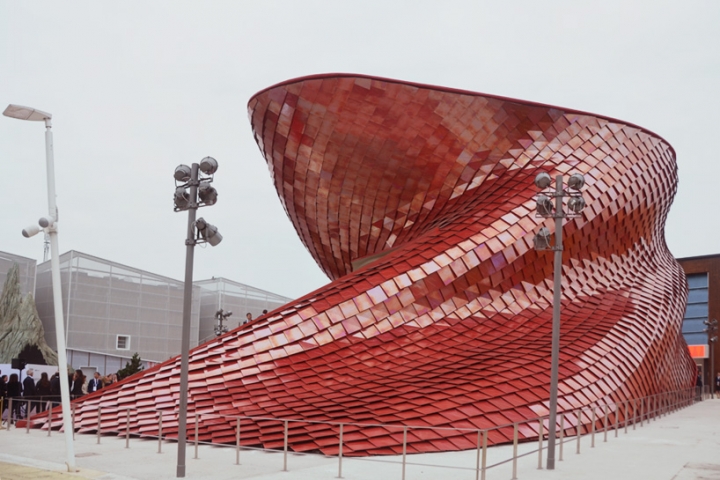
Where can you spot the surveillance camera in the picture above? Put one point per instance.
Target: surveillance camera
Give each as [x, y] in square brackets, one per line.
[30, 231]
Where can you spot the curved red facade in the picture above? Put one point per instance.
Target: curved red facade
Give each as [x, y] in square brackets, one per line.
[418, 202]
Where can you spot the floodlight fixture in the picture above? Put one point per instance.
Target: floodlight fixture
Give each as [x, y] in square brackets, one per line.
[208, 165]
[46, 222]
[182, 173]
[26, 113]
[208, 232]
[544, 206]
[576, 181]
[31, 231]
[543, 180]
[542, 239]
[182, 198]
[576, 204]
[207, 194]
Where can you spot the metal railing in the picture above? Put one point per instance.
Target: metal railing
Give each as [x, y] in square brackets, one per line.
[572, 426]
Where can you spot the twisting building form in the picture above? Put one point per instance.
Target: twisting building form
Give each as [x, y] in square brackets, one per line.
[418, 202]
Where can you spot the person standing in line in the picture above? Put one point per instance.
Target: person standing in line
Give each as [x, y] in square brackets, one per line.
[14, 391]
[717, 383]
[3, 392]
[248, 317]
[43, 391]
[78, 382]
[95, 383]
[29, 390]
[55, 387]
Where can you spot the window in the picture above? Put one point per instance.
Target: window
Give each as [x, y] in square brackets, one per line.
[122, 342]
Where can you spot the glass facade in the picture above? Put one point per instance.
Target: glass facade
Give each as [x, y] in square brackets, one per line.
[27, 267]
[696, 311]
[221, 293]
[114, 310]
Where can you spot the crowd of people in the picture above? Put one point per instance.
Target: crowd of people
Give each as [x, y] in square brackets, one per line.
[45, 390]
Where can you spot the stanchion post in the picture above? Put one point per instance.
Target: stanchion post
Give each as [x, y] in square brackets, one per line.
[540, 442]
[340, 452]
[237, 441]
[127, 428]
[484, 454]
[562, 436]
[606, 421]
[285, 447]
[49, 422]
[515, 451]
[197, 433]
[404, 450]
[160, 415]
[592, 429]
[99, 425]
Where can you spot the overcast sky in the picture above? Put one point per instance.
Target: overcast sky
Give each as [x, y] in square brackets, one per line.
[137, 87]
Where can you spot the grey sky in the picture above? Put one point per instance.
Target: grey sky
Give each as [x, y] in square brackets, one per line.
[136, 88]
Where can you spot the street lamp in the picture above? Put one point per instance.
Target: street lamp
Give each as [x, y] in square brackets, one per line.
[712, 330]
[49, 225]
[546, 209]
[189, 186]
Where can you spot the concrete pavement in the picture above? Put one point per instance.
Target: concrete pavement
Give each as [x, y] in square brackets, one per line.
[684, 445]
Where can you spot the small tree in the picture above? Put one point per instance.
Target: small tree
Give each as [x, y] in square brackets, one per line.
[132, 367]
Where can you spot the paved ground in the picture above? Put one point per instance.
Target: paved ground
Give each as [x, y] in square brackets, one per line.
[684, 445]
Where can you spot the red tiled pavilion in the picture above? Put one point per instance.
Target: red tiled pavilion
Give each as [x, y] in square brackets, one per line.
[418, 202]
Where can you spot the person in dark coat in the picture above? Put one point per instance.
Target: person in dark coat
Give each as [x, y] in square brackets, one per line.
[29, 391]
[14, 391]
[55, 387]
[3, 392]
[77, 384]
[95, 383]
[43, 391]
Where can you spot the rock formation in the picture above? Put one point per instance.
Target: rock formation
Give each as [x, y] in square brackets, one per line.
[20, 325]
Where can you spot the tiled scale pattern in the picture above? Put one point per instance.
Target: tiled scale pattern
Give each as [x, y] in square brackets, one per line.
[451, 327]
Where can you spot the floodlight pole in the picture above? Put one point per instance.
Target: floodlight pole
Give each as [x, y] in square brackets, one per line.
[187, 308]
[555, 355]
[26, 113]
[57, 300]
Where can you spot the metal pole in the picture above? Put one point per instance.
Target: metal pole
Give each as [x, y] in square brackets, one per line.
[515, 451]
[49, 418]
[127, 428]
[187, 309]
[237, 441]
[160, 432]
[477, 456]
[484, 454]
[540, 442]
[578, 429]
[626, 415]
[340, 452]
[99, 428]
[605, 423]
[562, 436]
[285, 447]
[592, 434]
[197, 436]
[57, 300]
[404, 450]
[555, 356]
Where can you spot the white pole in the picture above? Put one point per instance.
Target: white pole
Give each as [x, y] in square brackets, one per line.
[57, 300]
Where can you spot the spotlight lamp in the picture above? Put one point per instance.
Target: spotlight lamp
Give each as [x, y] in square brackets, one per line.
[182, 173]
[46, 222]
[576, 181]
[542, 239]
[207, 194]
[576, 204]
[208, 232]
[543, 180]
[182, 199]
[208, 165]
[31, 231]
[544, 206]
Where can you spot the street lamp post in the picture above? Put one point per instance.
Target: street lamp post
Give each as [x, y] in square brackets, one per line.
[191, 192]
[49, 225]
[546, 209]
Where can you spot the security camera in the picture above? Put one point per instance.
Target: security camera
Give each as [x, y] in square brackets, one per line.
[30, 231]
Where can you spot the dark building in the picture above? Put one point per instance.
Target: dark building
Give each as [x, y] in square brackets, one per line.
[703, 275]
